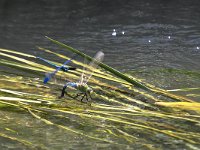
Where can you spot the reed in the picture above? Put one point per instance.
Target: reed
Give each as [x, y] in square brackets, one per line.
[124, 110]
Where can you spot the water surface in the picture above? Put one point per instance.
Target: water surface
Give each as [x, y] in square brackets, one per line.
[160, 45]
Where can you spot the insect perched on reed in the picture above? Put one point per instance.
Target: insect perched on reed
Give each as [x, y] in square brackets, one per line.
[82, 85]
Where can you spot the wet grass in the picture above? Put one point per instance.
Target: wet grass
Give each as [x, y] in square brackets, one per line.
[125, 112]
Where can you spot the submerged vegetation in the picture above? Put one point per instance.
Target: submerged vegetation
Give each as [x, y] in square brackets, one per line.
[125, 113]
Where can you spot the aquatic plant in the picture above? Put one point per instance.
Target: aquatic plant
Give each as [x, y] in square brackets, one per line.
[125, 112]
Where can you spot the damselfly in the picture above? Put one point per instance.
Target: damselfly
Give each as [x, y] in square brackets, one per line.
[63, 67]
[82, 85]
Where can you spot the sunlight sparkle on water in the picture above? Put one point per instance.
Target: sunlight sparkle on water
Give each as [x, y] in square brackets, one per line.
[197, 47]
[114, 33]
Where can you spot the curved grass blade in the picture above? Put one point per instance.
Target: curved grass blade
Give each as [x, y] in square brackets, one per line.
[106, 67]
[181, 105]
[21, 141]
[183, 89]
[146, 87]
[16, 52]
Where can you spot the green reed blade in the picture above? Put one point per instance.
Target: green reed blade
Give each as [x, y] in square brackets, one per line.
[121, 75]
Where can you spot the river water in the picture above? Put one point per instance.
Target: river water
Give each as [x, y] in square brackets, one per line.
[151, 36]
[156, 34]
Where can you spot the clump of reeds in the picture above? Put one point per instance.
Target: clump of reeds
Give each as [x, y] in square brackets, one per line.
[127, 106]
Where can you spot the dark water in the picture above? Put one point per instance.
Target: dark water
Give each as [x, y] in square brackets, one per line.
[158, 35]
[87, 25]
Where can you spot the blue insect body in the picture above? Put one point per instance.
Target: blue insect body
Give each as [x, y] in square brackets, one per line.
[48, 76]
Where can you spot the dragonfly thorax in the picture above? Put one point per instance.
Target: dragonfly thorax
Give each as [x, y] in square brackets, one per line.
[84, 88]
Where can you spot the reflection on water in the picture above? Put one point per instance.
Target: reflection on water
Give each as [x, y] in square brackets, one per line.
[157, 41]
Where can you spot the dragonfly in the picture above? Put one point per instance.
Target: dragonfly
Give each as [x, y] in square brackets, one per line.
[64, 68]
[82, 85]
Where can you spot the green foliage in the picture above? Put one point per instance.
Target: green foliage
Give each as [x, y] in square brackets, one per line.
[124, 111]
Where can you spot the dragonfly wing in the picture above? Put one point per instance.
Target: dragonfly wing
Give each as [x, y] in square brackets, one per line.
[83, 72]
[88, 72]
